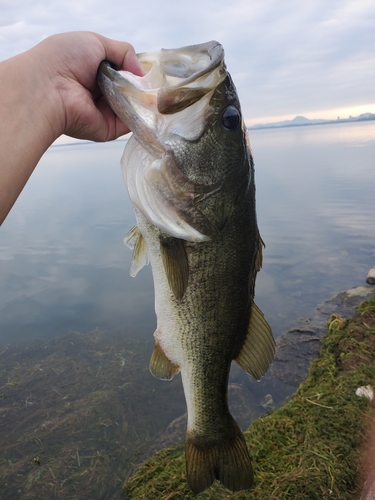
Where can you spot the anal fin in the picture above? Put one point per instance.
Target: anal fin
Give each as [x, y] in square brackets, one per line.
[160, 366]
[258, 349]
[175, 264]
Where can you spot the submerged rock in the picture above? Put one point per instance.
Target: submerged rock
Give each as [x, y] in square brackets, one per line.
[299, 346]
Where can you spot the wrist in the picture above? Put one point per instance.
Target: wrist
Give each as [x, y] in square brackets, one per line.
[29, 103]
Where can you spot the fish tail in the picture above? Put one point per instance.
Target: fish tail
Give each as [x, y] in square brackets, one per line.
[229, 462]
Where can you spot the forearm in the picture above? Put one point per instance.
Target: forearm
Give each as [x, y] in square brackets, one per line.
[52, 90]
[26, 131]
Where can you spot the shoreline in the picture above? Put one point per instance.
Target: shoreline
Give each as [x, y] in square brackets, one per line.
[320, 434]
[327, 122]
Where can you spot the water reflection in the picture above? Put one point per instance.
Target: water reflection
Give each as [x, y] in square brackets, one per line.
[315, 208]
[62, 261]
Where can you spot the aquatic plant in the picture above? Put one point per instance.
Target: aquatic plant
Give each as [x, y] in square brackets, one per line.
[75, 414]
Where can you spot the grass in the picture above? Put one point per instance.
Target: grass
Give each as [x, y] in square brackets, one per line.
[311, 448]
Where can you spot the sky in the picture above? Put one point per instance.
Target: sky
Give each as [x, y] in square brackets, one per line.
[315, 58]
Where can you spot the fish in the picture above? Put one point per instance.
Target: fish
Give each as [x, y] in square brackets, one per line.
[189, 172]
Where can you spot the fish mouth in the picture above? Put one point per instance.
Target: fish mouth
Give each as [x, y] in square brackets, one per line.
[174, 78]
[172, 99]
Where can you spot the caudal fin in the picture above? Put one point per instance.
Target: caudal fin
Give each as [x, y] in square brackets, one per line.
[229, 462]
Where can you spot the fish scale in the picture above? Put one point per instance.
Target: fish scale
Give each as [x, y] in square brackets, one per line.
[190, 175]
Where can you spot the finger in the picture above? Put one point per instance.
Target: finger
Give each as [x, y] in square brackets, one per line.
[122, 55]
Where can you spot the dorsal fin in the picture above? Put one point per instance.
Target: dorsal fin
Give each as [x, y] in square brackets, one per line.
[160, 366]
[175, 264]
[136, 242]
[259, 347]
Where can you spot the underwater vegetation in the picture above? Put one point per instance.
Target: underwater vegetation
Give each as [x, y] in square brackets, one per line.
[77, 415]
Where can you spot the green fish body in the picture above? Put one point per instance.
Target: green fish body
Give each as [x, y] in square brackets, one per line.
[189, 172]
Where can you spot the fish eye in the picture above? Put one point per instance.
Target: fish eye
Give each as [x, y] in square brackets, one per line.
[230, 118]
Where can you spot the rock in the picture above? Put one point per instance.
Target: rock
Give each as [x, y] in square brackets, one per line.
[243, 405]
[267, 402]
[371, 276]
[175, 432]
[295, 350]
[299, 346]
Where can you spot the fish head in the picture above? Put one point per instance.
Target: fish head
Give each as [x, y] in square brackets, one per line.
[189, 153]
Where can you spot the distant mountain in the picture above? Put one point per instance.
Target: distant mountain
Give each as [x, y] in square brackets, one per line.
[302, 121]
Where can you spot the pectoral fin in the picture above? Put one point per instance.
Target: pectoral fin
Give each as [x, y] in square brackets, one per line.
[259, 348]
[160, 366]
[175, 264]
[136, 242]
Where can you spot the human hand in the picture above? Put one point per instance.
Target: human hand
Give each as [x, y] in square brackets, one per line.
[51, 90]
[68, 63]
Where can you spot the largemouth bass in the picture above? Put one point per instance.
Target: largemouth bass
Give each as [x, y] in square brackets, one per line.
[189, 172]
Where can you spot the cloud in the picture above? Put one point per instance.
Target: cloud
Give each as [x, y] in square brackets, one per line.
[286, 58]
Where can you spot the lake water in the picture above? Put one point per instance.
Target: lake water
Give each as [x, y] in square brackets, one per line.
[78, 411]
[63, 265]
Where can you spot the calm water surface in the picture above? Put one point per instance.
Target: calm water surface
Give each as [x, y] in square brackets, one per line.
[63, 265]
[86, 405]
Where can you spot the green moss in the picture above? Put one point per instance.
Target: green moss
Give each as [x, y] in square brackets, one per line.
[309, 448]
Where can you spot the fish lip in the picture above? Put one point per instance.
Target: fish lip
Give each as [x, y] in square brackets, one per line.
[104, 69]
[107, 70]
[215, 52]
[213, 49]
